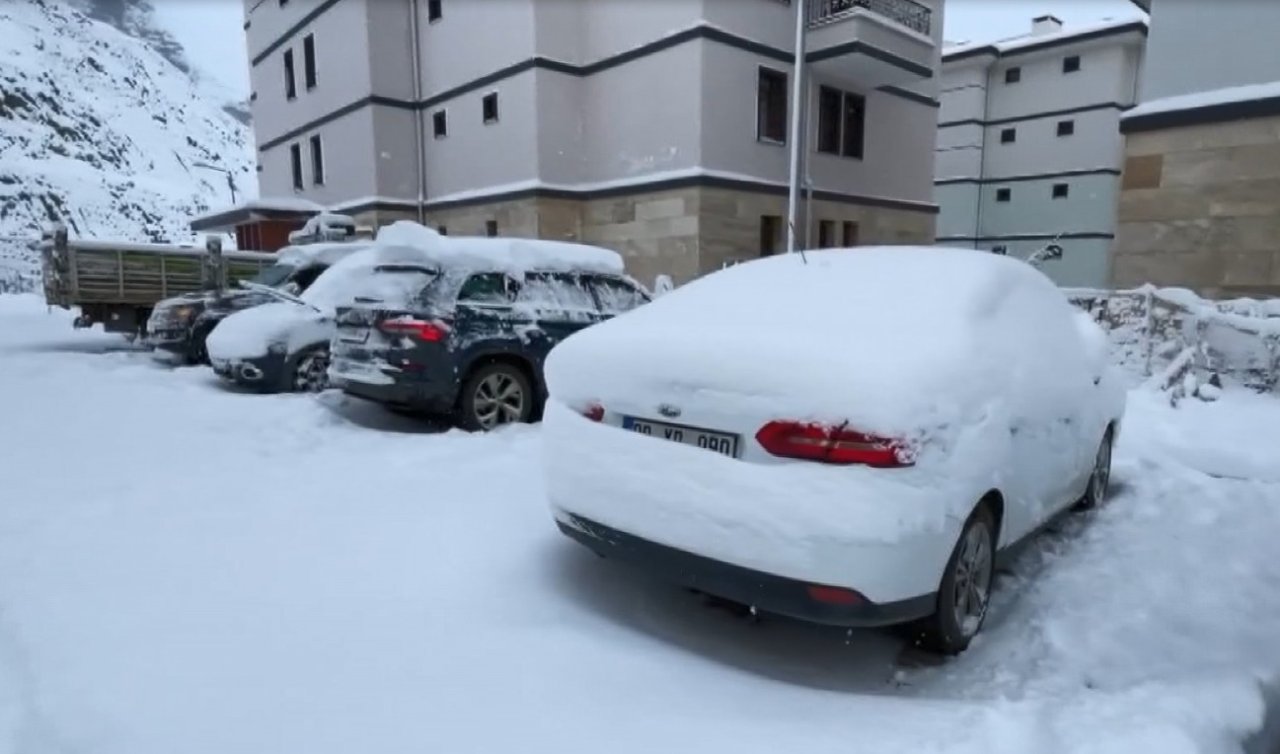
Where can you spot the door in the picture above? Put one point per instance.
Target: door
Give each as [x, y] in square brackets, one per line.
[484, 317]
[559, 304]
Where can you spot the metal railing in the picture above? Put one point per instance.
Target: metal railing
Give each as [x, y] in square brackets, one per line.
[910, 14]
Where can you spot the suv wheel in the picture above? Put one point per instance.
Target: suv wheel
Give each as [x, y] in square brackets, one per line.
[493, 395]
[311, 374]
[1100, 479]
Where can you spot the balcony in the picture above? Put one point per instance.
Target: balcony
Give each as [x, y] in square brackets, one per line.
[871, 43]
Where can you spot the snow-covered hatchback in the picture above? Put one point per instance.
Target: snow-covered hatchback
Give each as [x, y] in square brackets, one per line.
[851, 437]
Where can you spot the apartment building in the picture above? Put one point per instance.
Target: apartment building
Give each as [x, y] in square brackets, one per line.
[1029, 146]
[658, 128]
[1200, 199]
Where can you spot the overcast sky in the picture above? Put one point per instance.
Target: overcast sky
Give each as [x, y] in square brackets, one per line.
[211, 32]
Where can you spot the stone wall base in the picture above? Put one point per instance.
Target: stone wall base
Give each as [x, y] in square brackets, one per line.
[683, 232]
[1200, 209]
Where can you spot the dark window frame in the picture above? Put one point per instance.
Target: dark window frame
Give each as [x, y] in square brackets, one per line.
[489, 108]
[842, 123]
[491, 228]
[1009, 136]
[309, 61]
[1004, 195]
[771, 105]
[1061, 191]
[316, 147]
[290, 76]
[295, 165]
[1071, 64]
[435, 11]
[440, 123]
[826, 234]
[1013, 75]
[1066, 128]
[849, 233]
[770, 225]
[442, 230]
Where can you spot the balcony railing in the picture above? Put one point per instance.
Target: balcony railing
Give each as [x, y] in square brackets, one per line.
[910, 14]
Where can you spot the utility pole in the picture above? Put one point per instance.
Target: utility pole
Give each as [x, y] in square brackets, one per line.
[797, 119]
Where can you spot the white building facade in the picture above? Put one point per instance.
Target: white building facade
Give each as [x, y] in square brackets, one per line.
[659, 128]
[1029, 146]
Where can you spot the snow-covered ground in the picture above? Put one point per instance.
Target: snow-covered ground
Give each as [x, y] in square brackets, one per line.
[188, 569]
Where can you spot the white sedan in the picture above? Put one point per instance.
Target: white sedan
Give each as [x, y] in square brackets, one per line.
[852, 437]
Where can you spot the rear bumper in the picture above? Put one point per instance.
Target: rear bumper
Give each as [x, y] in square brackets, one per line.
[432, 390]
[835, 606]
[263, 373]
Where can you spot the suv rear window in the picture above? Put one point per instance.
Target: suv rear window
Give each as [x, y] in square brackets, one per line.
[491, 288]
[617, 295]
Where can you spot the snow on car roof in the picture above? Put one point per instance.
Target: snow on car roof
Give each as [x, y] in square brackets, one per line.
[883, 336]
[512, 255]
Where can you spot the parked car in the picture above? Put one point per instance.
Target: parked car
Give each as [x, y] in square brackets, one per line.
[179, 327]
[850, 437]
[472, 342]
[283, 345]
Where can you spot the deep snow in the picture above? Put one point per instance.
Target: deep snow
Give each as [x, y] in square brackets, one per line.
[185, 568]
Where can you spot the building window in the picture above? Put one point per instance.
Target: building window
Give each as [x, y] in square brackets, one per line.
[439, 124]
[309, 60]
[1066, 127]
[295, 162]
[1013, 75]
[771, 106]
[1008, 136]
[290, 88]
[841, 122]
[433, 10]
[826, 234]
[317, 161]
[283, 3]
[442, 230]
[850, 235]
[491, 228]
[1071, 64]
[770, 234]
[1060, 190]
[490, 107]
[1004, 194]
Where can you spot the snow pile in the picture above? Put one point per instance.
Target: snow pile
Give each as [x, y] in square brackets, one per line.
[100, 130]
[1149, 328]
[1206, 99]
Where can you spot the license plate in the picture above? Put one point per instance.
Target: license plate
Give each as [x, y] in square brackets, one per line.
[717, 442]
[353, 335]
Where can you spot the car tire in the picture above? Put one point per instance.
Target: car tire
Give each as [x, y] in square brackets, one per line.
[1100, 478]
[495, 394]
[310, 373]
[969, 576]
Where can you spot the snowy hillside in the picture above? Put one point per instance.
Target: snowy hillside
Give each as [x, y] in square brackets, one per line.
[101, 124]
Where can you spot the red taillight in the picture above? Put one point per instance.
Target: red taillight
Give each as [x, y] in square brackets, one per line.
[594, 412]
[428, 332]
[828, 444]
[833, 595]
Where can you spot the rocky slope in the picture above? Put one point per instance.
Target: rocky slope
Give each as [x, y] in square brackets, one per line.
[102, 124]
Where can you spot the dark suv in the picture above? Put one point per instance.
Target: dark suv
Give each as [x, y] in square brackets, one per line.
[472, 343]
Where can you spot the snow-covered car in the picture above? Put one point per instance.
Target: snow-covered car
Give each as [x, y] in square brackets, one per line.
[471, 343]
[850, 437]
[179, 327]
[283, 346]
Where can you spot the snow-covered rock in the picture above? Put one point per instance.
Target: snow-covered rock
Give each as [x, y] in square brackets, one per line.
[101, 125]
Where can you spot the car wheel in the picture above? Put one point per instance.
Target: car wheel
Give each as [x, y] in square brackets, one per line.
[494, 395]
[965, 591]
[1100, 479]
[311, 374]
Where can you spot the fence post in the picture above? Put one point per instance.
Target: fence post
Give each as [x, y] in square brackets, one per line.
[1149, 327]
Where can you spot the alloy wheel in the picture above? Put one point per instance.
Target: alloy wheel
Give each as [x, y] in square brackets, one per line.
[1101, 478]
[311, 375]
[972, 583]
[499, 399]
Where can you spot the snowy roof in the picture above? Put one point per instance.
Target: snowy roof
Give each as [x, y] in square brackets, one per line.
[1032, 42]
[321, 253]
[514, 255]
[1211, 98]
[255, 209]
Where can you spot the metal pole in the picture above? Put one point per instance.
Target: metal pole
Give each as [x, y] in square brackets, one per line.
[797, 103]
